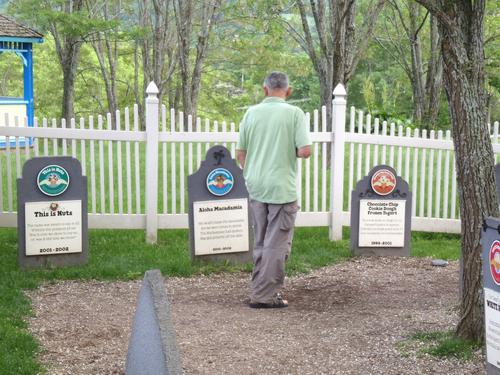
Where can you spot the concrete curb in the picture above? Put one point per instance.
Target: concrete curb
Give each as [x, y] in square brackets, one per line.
[153, 347]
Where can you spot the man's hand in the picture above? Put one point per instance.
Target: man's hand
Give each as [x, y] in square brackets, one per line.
[304, 152]
[241, 156]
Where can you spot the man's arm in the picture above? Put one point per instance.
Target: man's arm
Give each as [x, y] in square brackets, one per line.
[304, 152]
[241, 156]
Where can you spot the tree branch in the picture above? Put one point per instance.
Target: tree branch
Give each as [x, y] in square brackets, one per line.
[395, 6]
[318, 15]
[491, 38]
[299, 38]
[366, 33]
[307, 33]
[421, 24]
[434, 7]
[397, 57]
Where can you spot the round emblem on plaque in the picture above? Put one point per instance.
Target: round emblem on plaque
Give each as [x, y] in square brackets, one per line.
[220, 182]
[383, 182]
[53, 180]
[495, 261]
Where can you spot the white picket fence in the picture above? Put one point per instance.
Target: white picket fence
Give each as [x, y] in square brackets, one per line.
[137, 179]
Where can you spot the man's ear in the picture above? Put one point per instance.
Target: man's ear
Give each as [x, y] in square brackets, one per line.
[289, 91]
[266, 91]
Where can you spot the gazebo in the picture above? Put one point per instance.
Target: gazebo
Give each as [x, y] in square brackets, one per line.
[19, 39]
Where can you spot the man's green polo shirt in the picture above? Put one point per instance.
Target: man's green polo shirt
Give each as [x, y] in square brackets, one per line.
[270, 133]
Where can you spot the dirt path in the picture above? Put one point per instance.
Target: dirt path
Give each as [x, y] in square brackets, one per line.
[349, 318]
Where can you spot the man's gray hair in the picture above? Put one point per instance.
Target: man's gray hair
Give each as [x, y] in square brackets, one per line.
[276, 80]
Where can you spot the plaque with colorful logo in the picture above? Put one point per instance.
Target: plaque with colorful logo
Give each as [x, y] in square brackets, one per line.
[383, 182]
[219, 217]
[52, 213]
[220, 182]
[381, 214]
[495, 261]
[53, 180]
[490, 240]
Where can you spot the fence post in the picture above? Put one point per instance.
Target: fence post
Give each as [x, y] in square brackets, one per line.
[337, 162]
[151, 193]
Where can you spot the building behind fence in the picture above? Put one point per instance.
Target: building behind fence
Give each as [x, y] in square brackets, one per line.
[137, 179]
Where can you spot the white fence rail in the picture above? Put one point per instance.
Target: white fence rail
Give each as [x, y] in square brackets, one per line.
[137, 179]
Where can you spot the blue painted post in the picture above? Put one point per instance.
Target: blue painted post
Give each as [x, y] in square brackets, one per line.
[28, 82]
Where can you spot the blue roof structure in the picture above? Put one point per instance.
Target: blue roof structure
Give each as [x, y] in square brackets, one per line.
[19, 39]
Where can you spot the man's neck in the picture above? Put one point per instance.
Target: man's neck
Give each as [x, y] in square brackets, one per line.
[279, 95]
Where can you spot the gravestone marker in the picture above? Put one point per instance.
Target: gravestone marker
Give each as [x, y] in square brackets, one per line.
[52, 218]
[219, 217]
[381, 214]
[491, 281]
[153, 347]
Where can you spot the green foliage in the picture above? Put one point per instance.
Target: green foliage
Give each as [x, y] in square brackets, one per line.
[369, 93]
[243, 51]
[444, 344]
[312, 249]
[391, 98]
[492, 57]
[11, 70]
[436, 245]
[46, 14]
[386, 64]
[249, 40]
[17, 348]
[390, 94]
[48, 80]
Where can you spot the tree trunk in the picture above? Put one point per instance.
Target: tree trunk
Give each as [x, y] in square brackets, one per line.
[434, 79]
[184, 22]
[157, 47]
[417, 86]
[326, 96]
[460, 26]
[426, 84]
[69, 67]
[416, 63]
[105, 45]
[139, 95]
[68, 52]
[341, 42]
[108, 72]
[191, 77]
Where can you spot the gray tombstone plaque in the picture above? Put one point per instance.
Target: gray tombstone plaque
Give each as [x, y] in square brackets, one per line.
[381, 214]
[491, 281]
[52, 218]
[219, 218]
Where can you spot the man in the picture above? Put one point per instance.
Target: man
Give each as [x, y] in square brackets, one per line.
[272, 135]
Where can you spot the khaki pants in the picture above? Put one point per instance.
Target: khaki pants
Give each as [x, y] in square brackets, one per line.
[273, 232]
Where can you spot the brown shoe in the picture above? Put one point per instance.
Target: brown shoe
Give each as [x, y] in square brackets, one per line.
[277, 303]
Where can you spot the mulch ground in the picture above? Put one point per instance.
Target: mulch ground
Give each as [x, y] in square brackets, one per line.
[355, 317]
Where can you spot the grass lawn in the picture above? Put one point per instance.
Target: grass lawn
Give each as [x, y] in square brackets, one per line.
[440, 344]
[123, 255]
